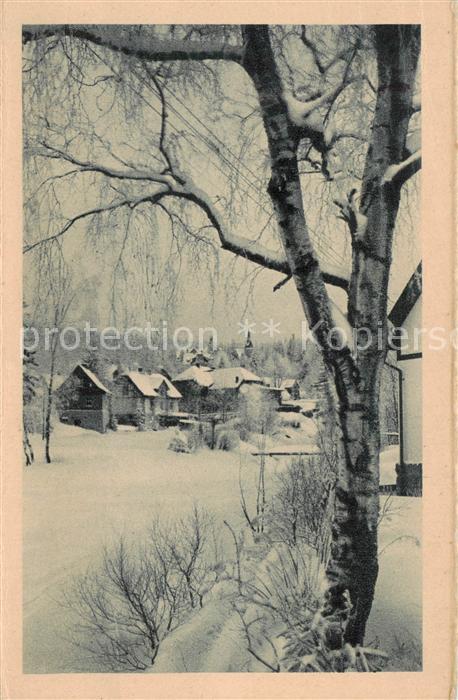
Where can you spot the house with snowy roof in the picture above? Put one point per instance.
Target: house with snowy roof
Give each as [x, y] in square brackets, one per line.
[230, 388]
[193, 384]
[290, 387]
[84, 400]
[406, 317]
[203, 388]
[140, 392]
[233, 378]
[194, 356]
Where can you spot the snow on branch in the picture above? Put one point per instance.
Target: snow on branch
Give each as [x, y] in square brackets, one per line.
[322, 67]
[416, 103]
[140, 45]
[118, 204]
[132, 173]
[349, 212]
[251, 250]
[310, 118]
[175, 185]
[305, 115]
[239, 245]
[399, 173]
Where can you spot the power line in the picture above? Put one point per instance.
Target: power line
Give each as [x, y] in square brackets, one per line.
[215, 136]
[217, 150]
[330, 253]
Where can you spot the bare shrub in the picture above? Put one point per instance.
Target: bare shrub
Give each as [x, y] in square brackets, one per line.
[301, 507]
[287, 584]
[138, 594]
[180, 443]
[190, 549]
[227, 440]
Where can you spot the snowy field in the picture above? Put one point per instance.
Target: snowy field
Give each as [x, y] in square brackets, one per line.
[100, 486]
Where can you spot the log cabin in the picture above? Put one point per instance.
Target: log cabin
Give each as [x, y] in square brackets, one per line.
[139, 393]
[84, 400]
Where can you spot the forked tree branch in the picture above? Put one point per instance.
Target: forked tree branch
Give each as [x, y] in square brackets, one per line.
[175, 186]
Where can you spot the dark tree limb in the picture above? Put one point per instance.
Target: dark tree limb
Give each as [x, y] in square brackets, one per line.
[147, 48]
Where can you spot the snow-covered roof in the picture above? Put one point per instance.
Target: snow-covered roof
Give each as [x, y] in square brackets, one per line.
[277, 383]
[148, 384]
[201, 375]
[232, 377]
[157, 379]
[191, 355]
[94, 379]
[288, 383]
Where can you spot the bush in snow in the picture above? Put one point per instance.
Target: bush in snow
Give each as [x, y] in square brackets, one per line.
[227, 440]
[141, 592]
[195, 439]
[301, 506]
[140, 420]
[258, 411]
[179, 443]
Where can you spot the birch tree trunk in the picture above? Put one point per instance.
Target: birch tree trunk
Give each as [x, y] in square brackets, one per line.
[353, 566]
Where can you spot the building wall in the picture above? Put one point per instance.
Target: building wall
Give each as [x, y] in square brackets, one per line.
[412, 387]
[193, 396]
[81, 403]
[412, 325]
[126, 399]
[412, 410]
[78, 392]
[92, 419]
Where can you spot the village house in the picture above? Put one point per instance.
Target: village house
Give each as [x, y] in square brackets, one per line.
[205, 390]
[84, 400]
[233, 378]
[194, 356]
[230, 385]
[139, 393]
[406, 315]
[193, 384]
[290, 387]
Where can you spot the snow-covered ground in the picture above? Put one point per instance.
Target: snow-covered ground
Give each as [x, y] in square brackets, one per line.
[100, 486]
[388, 459]
[97, 487]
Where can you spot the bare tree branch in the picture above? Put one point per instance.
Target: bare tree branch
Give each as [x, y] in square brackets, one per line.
[84, 166]
[143, 46]
[175, 186]
[132, 203]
